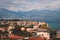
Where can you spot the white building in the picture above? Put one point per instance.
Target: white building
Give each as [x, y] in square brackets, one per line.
[35, 27]
[41, 25]
[43, 33]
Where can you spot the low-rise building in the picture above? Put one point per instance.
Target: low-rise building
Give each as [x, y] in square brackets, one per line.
[43, 33]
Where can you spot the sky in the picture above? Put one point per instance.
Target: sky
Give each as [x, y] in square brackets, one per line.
[28, 5]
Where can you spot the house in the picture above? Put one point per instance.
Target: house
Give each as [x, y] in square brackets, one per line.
[36, 38]
[43, 33]
[58, 34]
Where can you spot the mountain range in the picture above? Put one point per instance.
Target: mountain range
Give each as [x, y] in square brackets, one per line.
[36, 15]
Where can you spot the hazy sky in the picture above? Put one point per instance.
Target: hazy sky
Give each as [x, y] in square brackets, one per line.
[27, 5]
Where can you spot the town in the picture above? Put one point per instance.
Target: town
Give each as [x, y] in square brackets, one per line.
[27, 30]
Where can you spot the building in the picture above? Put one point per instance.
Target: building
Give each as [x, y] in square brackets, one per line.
[58, 34]
[43, 33]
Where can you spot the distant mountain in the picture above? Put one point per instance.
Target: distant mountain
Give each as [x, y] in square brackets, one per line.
[43, 15]
[36, 15]
[4, 13]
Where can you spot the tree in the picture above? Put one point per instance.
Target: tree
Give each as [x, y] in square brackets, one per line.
[53, 34]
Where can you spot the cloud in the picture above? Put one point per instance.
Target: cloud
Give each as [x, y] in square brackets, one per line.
[27, 5]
